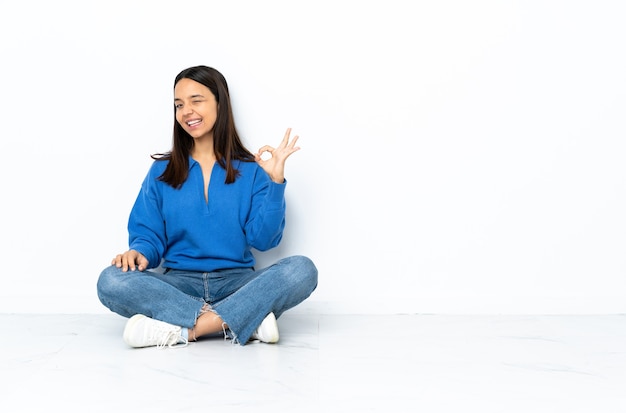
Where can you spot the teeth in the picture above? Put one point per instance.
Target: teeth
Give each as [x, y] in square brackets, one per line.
[193, 122]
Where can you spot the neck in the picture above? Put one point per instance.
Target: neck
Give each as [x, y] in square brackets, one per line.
[203, 148]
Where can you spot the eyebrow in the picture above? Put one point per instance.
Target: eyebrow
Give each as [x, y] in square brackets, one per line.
[190, 97]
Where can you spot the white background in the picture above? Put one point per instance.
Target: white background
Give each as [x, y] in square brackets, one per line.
[457, 156]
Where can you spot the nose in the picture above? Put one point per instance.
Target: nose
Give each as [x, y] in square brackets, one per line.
[187, 110]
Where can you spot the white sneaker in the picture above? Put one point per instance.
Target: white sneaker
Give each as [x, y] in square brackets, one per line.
[142, 331]
[267, 332]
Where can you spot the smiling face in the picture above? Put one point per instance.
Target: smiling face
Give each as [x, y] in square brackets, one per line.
[196, 108]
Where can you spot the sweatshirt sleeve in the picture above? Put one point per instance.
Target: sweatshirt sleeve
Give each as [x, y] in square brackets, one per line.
[264, 229]
[146, 226]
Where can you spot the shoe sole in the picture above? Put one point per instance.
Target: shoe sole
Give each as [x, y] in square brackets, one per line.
[268, 330]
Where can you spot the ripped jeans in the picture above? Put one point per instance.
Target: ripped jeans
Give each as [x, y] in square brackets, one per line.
[242, 297]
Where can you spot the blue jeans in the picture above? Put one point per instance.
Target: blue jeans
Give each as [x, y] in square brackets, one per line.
[242, 297]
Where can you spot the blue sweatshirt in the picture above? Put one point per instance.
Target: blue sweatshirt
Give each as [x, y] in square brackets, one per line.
[179, 227]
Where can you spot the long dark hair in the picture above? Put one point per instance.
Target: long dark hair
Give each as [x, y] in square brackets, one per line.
[227, 144]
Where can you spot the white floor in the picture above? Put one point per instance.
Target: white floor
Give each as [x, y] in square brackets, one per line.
[323, 363]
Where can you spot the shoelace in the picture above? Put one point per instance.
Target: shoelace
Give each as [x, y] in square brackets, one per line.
[170, 338]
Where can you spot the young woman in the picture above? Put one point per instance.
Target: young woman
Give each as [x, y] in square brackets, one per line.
[202, 208]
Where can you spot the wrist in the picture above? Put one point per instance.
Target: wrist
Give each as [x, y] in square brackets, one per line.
[278, 179]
